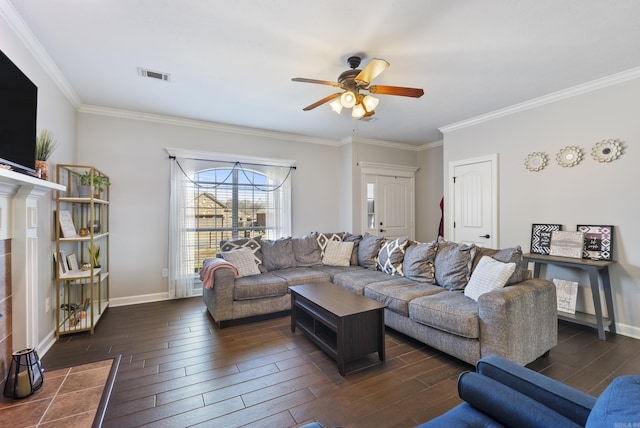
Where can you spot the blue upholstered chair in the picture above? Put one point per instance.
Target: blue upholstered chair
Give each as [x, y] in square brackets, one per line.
[504, 394]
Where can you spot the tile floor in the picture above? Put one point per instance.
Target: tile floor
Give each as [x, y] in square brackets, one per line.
[68, 397]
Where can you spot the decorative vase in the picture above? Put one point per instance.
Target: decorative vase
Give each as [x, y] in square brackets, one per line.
[42, 167]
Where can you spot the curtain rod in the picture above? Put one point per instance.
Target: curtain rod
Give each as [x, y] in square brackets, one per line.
[237, 162]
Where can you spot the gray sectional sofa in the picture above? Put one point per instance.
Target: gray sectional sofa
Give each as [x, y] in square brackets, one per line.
[467, 301]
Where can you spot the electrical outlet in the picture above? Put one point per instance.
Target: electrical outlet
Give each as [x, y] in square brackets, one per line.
[47, 304]
[165, 272]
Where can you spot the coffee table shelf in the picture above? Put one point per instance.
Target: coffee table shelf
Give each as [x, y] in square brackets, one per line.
[345, 325]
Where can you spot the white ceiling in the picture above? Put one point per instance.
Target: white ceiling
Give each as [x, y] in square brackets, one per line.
[231, 62]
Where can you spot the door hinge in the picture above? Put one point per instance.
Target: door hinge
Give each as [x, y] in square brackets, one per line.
[454, 224]
[454, 180]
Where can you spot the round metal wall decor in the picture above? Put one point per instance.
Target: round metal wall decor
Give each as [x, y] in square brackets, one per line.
[536, 161]
[569, 156]
[607, 150]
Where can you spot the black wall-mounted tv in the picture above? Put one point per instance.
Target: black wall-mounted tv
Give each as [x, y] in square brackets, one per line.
[18, 110]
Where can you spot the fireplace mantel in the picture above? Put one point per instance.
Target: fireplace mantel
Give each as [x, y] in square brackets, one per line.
[19, 196]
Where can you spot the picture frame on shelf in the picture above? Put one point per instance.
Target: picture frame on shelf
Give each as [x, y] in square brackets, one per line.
[73, 262]
[67, 227]
[62, 263]
[598, 242]
[567, 295]
[541, 237]
[567, 244]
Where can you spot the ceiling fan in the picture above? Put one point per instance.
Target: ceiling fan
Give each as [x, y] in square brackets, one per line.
[352, 82]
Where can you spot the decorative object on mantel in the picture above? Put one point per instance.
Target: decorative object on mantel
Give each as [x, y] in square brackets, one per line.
[536, 161]
[569, 156]
[607, 150]
[45, 145]
[598, 242]
[541, 237]
[567, 244]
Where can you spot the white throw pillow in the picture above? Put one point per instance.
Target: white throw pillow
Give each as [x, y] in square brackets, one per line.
[489, 275]
[337, 253]
[243, 259]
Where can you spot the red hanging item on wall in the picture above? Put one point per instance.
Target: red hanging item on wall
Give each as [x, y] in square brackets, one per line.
[441, 230]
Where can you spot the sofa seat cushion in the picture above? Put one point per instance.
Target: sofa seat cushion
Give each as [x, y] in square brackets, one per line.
[259, 286]
[398, 292]
[334, 270]
[302, 275]
[451, 311]
[356, 280]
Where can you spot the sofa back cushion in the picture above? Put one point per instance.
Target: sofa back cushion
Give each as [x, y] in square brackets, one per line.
[418, 261]
[348, 237]
[368, 251]
[391, 256]
[506, 255]
[453, 264]
[278, 254]
[254, 244]
[306, 250]
[324, 238]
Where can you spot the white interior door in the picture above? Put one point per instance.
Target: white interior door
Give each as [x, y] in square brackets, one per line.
[395, 196]
[474, 196]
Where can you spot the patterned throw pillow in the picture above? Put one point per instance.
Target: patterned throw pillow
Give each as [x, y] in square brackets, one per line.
[453, 264]
[418, 262]
[323, 238]
[254, 244]
[243, 260]
[506, 255]
[368, 250]
[337, 253]
[489, 275]
[391, 255]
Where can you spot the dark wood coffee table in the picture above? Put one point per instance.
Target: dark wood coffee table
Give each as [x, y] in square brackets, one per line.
[345, 325]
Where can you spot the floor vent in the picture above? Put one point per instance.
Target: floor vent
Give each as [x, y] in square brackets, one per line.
[154, 74]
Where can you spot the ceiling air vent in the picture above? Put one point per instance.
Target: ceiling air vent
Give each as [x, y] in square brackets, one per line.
[154, 74]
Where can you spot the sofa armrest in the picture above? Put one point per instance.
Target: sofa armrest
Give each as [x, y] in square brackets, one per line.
[519, 322]
[219, 299]
[563, 399]
[508, 407]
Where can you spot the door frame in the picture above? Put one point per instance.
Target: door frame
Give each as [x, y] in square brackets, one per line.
[493, 159]
[389, 170]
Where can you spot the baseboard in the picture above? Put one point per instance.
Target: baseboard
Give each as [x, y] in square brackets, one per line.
[628, 330]
[135, 300]
[46, 344]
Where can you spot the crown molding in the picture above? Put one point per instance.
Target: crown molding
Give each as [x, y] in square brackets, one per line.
[573, 91]
[382, 143]
[201, 124]
[20, 28]
[431, 145]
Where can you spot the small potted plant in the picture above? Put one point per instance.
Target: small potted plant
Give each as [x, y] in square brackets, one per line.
[94, 255]
[45, 145]
[88, 187]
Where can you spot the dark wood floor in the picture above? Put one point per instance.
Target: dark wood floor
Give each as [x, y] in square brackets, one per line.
[178, 369]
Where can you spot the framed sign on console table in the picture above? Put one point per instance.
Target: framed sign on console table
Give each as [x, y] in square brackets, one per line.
[567, 244]
[541, 237]
[598, 242]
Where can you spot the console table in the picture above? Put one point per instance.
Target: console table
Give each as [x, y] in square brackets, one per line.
[598, 271]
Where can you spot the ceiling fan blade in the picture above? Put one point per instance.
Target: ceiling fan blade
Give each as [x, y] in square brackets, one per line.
[322, 101]
[396, 90]
[371, 71]
[319, 82]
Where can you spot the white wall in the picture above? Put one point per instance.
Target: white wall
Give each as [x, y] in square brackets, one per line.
[429, 192]
[56, 113]
[132, 153]
[589, 193]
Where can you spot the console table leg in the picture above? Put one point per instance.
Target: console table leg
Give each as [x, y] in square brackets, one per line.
[595, 292]
[608, 298]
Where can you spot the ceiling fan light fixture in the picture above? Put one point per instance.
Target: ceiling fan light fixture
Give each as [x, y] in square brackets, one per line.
[358, 111]
[348, 99]
[336, 105]
[370, 103]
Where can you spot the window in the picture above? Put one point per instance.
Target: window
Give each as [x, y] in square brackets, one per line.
[212, 201]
